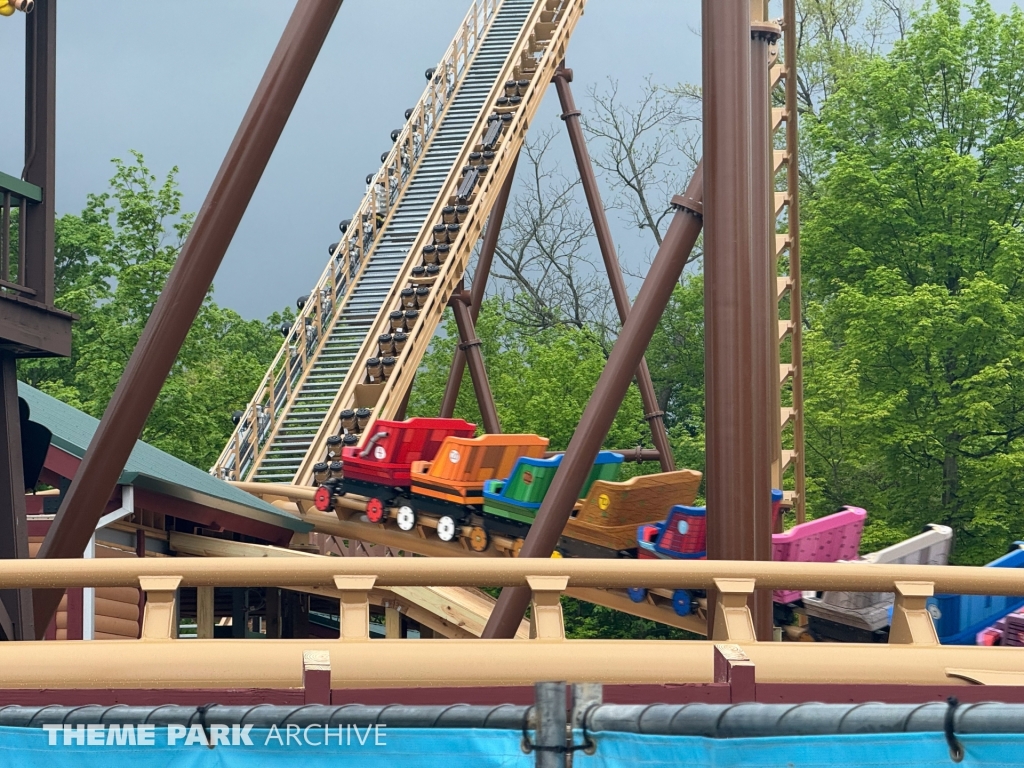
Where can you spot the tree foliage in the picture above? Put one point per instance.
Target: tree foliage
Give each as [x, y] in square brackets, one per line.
[913, 255]
[111, 263]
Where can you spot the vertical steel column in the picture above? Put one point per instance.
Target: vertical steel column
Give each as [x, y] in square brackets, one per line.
[764, 301]
[469, 345]
[738, 478]
[611, 387]
[571, 117]
[40, 149]
[186, 286]
[795, 290]
[476, 291]
[13, 522]
[551, 719]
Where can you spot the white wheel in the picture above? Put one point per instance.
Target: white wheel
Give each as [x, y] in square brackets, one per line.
[406, 518]
[446, 528]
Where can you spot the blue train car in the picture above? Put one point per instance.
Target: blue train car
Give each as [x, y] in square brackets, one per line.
[959, 618]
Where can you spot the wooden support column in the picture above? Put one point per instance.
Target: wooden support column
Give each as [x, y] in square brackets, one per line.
[205, 617]
[273, 615]
[470, 345]
[392, 623]
[15, 604]
[40, 150]
[239, 612]
[738, 473]
[571, 116]
[483, 271]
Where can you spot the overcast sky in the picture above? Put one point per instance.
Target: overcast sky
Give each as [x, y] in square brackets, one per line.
[173, 79]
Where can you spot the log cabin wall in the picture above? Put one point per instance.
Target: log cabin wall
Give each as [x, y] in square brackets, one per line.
[116, 615]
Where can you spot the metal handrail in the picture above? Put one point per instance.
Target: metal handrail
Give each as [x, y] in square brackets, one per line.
[504, 572]
[263, 413]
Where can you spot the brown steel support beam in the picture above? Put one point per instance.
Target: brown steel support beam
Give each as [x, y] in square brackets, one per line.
[611, 388]
[476, 292]
[571, 116]
[765, 305]
[186, 286]
[15, 604]
[40, 147]
[738, 474]
[469, 345]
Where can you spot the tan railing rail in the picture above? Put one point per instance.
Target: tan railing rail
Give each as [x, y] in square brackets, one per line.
[912, 656]
[259, 422]
[733, 582]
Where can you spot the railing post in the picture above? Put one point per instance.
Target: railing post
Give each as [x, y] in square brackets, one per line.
[354, 617]
[546, 620]
[160, 619]
[205, 614]
[550, 720]
[316, 677]
[733, 621]
[911, 621]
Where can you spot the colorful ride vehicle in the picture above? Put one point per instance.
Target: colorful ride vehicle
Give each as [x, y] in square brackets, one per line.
[683, 535]
[380, 469]
[386, 458]
[864, 617]
[959, 618]
[608, 516]
[450, 488]
[519, 496]
[825, 540]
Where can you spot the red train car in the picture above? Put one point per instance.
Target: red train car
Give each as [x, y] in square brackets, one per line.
[380, 468]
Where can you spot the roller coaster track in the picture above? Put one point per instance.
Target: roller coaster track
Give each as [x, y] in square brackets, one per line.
[320, 370]
[349, 524]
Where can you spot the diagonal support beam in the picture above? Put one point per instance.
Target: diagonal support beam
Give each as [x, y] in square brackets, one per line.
[15, 604]
[571, 116]
[470, 346]
[476, 292]
[611, 388]
[186, 287]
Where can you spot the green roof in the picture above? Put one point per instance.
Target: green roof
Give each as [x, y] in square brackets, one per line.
[151, 468]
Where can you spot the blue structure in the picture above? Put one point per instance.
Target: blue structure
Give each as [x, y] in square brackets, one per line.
[959, 618]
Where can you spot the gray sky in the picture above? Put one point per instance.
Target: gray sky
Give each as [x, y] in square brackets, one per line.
[172, 80]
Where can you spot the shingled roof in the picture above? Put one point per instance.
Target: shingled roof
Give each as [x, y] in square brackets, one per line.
[153, 469]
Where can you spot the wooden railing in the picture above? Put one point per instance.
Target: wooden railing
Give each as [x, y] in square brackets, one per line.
[912, 656]
[262, 416]
[15, 194]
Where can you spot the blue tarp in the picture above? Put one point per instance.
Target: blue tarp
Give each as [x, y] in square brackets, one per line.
[451, 748]
[882, 750]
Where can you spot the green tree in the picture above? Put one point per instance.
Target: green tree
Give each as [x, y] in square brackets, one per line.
[541, 381]
[913, 254]
[111, 263]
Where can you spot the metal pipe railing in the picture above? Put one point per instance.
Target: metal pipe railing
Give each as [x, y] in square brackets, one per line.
[717, 721]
